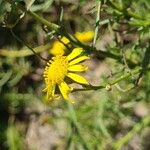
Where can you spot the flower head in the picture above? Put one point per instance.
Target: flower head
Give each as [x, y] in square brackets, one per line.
[59, 48]
[84, 36]
[59, 69]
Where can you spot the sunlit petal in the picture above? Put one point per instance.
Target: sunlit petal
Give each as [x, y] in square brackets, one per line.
[76, 52]
[77, 68]
[77, 78]
[65, 90]
[77, 60]
[86, 36]
[65, 40]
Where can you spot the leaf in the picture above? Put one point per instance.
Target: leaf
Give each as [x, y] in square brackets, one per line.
[146, 59]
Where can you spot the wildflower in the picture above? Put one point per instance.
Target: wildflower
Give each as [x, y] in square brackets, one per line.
[84, 36]
[59, 48]
[59, 69]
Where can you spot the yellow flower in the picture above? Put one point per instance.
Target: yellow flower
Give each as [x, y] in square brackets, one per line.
[84, 36]
[59, 48]
[59, 69]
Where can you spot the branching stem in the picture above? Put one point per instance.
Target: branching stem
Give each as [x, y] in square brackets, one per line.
[63, 32]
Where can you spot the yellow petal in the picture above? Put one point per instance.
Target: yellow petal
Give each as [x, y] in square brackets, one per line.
[65, 90]
[86, 36]
[76, 52]
[50, 90]
[77, 68]
[57, 49]
[77, 78]
[65, 40]
[49, 93]
[53, 90]
[77, 60]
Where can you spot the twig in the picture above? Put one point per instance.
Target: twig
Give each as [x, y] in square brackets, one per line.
[50, 25]
[21, 41]
[72, 39]
[137, 128]
[125, 11]
[76, 126]
[24, 52]
[109, 84]
[140, 21]
[97, 22]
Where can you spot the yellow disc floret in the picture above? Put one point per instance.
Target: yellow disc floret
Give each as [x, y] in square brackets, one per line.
[57, 69]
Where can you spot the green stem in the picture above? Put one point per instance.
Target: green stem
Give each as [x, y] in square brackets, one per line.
[125, 11]
[76, 126]
[50, 26]
[63, 32]
[137, 128]
[139, 20]
[23, 53]
[126, 76]
[111, 83]
[97, 22]
[117, 57]
[5, 78]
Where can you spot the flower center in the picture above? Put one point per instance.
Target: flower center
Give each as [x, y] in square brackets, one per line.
[57, 70]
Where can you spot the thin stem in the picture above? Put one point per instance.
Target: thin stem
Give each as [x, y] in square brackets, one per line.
[61, 15]
[90, 87]
[137, 128]
[21, 41]
[50, 26]
[104, 85]
[126, 76]
[140, 20]
[125, 11]
[72, 39]
[76, 126]
[24, 52]
[97, 22]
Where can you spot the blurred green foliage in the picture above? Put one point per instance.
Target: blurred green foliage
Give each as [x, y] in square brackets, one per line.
[100, 119]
